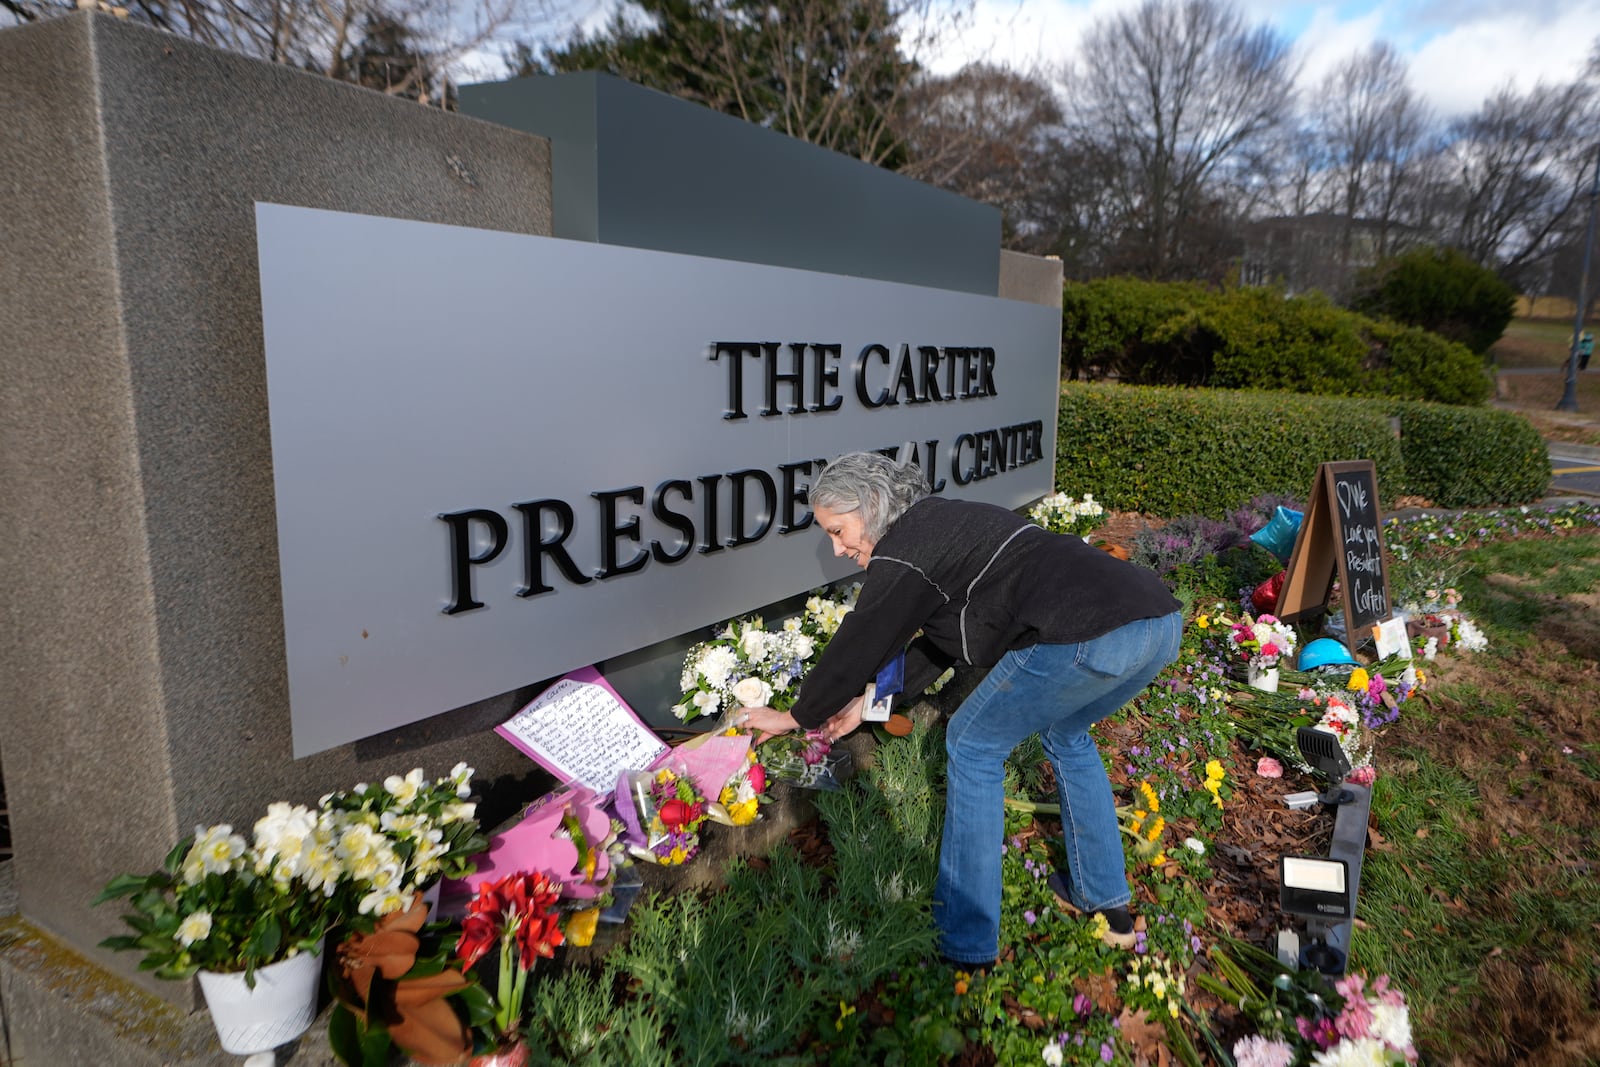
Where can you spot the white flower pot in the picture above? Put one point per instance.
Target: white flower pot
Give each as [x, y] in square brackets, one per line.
[279, 1009]
[1262, 678]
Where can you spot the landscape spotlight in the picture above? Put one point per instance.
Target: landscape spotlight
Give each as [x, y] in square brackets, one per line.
[1322, 751]
[1318, 890]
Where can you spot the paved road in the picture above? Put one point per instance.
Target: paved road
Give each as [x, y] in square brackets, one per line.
[1574, 469]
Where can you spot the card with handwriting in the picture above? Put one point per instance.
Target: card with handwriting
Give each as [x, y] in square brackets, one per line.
[581, 731]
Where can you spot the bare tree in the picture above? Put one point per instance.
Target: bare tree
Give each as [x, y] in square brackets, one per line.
[1170, 98]
[402, 47]
[1372, 125]
[988, 133]
[1516, 172]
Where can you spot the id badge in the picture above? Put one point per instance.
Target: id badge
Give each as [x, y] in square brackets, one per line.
[881, 691]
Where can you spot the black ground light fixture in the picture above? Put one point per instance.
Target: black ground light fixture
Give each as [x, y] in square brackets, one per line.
[1317, 890]
[1321, 749]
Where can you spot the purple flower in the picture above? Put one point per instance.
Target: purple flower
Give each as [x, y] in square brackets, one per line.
[1081, 1004]
[1105, 1052]
[1030, 916]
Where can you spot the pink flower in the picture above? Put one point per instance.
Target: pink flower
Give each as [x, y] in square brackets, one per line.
[1363, 775]
[1269, 649]
[757, 777]
[1267, 767]
[1376, 687]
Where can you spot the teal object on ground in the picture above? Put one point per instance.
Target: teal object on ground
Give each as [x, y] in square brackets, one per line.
[1278, 535]
[1322, 652]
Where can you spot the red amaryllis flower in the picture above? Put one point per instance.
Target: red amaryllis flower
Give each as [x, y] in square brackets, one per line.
[501, 910]
[678, 814]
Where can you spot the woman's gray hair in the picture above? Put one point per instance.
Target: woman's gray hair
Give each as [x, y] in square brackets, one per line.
[871, 483]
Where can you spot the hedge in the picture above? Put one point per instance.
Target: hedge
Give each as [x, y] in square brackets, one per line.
[1179, 333]
[1170, 452]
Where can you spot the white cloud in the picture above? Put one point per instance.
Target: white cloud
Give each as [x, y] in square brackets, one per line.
[1459, 68]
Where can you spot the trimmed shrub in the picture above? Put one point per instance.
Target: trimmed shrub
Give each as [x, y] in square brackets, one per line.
[1207, 452]
[1423, 364]
[1174, 452]
[1441, 290]
[1471, 457]
[1153, 333]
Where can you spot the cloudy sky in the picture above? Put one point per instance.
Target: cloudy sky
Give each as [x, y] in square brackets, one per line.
[1460, 50]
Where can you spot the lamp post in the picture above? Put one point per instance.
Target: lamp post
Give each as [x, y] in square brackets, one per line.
[1569, 397]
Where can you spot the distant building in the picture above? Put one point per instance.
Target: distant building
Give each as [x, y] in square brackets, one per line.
[1307, 252]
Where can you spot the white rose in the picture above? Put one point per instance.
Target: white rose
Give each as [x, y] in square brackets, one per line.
[752, 692]
[754, 644]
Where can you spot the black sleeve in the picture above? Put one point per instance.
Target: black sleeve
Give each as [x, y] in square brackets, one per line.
[925, 661]
[894, 602]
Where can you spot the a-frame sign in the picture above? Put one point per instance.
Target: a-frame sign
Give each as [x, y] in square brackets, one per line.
[1340, 537]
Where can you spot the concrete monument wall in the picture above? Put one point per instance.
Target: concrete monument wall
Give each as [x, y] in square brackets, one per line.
[142, 680]
[142, 684]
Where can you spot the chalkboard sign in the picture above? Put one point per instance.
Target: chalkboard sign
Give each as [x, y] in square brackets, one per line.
[1340, 537]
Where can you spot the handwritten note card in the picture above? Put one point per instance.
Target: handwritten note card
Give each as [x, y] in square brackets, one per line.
[581, 730]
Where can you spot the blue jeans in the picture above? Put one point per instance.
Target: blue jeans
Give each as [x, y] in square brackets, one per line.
[1058, 692]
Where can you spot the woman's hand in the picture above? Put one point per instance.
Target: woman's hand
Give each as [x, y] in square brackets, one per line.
[845, 722]
[768, 721]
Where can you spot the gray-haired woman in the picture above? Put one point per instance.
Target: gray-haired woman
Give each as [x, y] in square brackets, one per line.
[1069, 633]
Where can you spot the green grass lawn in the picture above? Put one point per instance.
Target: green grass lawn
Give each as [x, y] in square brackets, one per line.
[1534, 343]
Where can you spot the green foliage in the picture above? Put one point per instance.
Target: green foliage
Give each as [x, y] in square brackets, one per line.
[1427, 365]
[1151, 333]
[830, 73]
[1471, 457]
[1441, 290]
[1186, 452]
[1206, 452]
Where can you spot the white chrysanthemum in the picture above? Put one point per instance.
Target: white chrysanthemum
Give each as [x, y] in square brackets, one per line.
[752, 692]
[1362, 1052]
[216, 850]
[405, 789]
[196, 927]
[1391, 1025]
[716, 665]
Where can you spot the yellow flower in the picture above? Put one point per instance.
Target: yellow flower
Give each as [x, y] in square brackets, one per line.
[1202, 621]
[1214, 771]
[1159, 860]
[1422, 679]
[677, 856]
[845, 1011]
[580, 927]
[1358, 680]
[1099, 925]
[1156, 828]
[1152, 801]
[1172, 1008]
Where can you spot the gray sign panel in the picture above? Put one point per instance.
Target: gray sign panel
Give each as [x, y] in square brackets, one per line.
[498, 457]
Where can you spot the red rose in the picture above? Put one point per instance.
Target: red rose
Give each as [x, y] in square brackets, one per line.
[677, 814]
[757, 776]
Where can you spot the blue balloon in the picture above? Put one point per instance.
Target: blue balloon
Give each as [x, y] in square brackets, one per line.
[1278, 535]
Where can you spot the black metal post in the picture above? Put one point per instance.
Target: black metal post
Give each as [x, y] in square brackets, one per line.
[1569, 397]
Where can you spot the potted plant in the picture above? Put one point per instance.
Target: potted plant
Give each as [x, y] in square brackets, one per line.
[248, 918]
[516, 918]
[399, 839]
